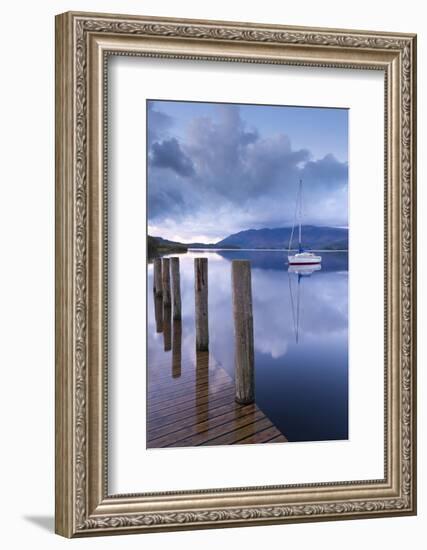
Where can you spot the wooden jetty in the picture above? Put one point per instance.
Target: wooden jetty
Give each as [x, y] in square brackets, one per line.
[191, 402]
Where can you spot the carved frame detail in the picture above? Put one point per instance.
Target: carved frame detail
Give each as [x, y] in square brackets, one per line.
[83, 506]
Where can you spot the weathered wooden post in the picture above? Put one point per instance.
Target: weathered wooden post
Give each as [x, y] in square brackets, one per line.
[202, 383]
[158, 312]
[244, 378]
[176, 349]
[176, 289]
[166, 282]
[201, 302]
[157, 276]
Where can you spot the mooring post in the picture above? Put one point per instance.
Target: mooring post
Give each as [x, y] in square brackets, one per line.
[244, 378]
[166, 282]
[202, 378]
[176, 348]
[157, 276]
[176, 288]
[201, 302]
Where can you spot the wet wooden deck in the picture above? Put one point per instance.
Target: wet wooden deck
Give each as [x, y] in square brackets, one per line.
[191, 402]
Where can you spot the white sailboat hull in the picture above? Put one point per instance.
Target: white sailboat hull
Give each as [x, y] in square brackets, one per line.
[304, 258]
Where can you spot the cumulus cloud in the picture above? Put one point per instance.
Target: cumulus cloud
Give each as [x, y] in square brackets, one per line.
[223, 177]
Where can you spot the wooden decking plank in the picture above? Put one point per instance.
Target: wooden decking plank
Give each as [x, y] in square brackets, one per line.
[190, 402]
[161, 371]
[171, 395]
[278, 439]
[187, 373]
[199, 428]
[261, 437]
[181, 382]
[172, 392]
[185, 378]
[221, 430]
[169, 416]
[210, 414]
[236, 435]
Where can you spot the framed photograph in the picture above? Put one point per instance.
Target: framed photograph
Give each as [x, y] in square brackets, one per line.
[235, 274]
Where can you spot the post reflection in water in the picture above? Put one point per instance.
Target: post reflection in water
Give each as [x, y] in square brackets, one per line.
[176, 349]
[202, 384]
[167, 327]
[158, 312]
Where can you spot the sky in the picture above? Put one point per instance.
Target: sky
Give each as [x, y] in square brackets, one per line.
[215, 169]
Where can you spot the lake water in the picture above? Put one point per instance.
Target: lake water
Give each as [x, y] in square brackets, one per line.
[300, 336]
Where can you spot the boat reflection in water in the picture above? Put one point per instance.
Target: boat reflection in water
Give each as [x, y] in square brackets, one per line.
[300, 271]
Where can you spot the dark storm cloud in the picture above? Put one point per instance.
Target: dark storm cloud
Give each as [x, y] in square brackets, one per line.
[168, 154]
[226, 175]
[158, 124]
[327, 170]
[168, 200]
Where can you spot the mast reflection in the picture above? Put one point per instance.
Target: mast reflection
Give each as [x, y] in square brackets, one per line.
[300, 271]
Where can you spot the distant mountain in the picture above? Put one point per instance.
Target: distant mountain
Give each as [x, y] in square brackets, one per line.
[157, 246]
[164, 246]
[314, 237]
[210, 245]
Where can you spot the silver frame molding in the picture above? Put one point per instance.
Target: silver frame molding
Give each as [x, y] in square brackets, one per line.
[83, 43]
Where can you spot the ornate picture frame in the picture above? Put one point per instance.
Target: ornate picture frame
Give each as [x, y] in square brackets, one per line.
[84, 42]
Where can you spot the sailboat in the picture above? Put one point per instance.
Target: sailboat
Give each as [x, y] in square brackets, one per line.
[302, 257]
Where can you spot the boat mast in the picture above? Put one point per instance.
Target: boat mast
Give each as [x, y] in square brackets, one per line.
[300, 216]
[294, 223]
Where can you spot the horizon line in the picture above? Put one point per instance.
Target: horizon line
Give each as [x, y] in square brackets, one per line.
[192, 240]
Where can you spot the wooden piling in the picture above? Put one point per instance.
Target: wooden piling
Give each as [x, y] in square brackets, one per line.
[244, 378]
[176, 289]
[157, 276]
[176, 349]
[166, 282]
[202, 380]
[201, 303]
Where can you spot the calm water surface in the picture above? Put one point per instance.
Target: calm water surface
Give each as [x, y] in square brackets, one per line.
[301, 336]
